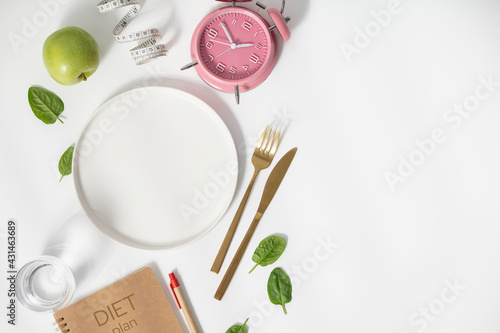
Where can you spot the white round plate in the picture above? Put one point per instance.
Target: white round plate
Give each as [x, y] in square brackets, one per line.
[155, 168]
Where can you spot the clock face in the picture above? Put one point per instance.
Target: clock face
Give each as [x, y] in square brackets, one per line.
[234, 47]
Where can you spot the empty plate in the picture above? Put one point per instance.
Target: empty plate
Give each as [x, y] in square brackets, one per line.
[155, 168]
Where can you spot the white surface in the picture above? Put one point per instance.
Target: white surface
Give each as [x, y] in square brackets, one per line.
[157, 174]
[394, 255]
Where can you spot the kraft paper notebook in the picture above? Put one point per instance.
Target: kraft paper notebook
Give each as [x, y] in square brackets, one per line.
[134, 304]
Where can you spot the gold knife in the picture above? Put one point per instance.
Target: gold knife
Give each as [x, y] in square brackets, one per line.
[272, 184]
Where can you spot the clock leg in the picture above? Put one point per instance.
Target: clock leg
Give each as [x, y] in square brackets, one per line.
[237, 94]
[191, 64]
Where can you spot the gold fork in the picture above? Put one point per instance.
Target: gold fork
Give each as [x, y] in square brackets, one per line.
[261, 159]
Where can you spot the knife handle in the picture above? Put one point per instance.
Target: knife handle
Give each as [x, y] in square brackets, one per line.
[232, 228]
[237, 258]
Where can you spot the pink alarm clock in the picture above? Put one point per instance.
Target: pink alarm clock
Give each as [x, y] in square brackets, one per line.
[234, 48]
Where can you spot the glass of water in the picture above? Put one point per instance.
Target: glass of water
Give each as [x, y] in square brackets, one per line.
[44, 284]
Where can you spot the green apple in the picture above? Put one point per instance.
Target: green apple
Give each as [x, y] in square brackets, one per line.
[71, 55]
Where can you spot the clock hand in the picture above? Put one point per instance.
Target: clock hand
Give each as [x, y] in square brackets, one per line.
[233, 47]
[244, 45]
[224, 52]
[218, 41]
[226, 32]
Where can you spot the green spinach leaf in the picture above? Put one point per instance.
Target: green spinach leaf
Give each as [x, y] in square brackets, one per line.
[268, 251]
[46, 105]
[238, 328]
[279, 288]
[66, 163]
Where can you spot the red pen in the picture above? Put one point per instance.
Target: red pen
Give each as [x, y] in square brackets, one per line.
[181, 302]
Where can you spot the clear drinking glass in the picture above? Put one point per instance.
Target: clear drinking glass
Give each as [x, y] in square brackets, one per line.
[75, 253]
[45, 283]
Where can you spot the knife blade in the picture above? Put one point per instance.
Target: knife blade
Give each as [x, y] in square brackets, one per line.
[272, 185]
[275, 178]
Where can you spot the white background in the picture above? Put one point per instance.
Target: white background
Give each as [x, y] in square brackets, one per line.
[355, 118]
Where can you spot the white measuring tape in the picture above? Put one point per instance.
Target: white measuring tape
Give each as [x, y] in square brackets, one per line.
[145, 51]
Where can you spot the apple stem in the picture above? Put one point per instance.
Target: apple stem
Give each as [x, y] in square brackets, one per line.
[84, 77]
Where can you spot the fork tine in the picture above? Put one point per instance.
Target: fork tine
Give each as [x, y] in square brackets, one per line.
[259, 144]
[266, 140]
[270, 143]
[275, 145]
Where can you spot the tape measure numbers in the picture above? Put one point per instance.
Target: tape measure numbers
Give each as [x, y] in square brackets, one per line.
[147, 50]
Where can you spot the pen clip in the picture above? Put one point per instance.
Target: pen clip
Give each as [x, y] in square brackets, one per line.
[174, 284]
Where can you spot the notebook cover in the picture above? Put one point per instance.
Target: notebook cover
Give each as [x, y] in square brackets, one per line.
[135, 304]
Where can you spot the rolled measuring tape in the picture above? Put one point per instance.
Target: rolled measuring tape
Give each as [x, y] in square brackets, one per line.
[147, 50]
